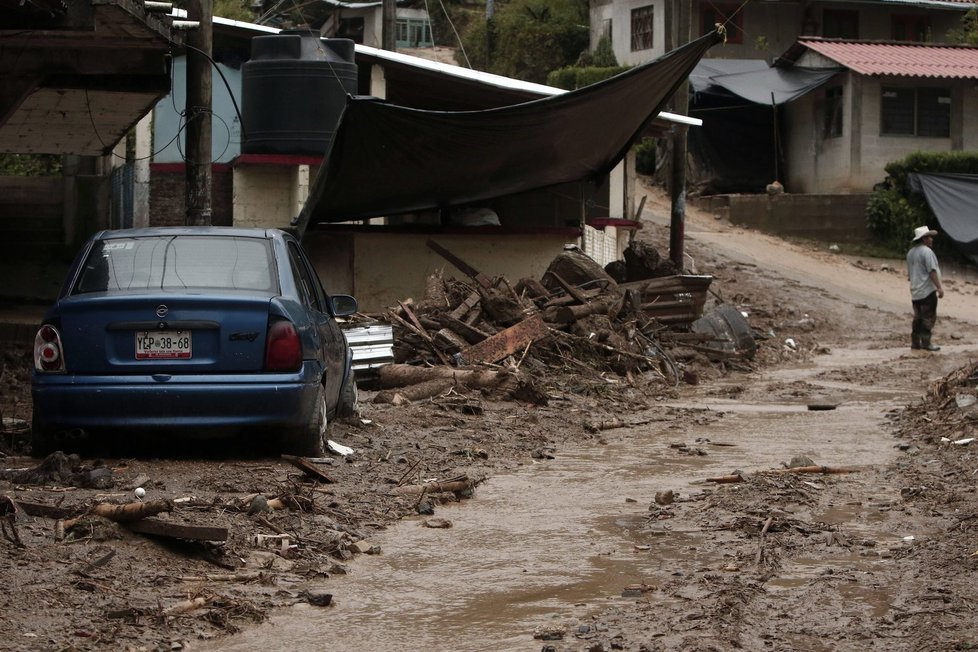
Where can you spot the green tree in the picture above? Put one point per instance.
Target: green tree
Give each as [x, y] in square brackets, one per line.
[530, 38]
[234, 9]
[967, 33]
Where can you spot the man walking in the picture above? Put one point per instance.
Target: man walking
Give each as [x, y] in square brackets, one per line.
[925, 288]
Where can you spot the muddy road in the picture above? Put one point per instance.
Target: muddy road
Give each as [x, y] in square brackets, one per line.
[568, 548]
[583, 537]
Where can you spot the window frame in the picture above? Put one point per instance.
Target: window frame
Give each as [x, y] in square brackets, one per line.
[644, 39]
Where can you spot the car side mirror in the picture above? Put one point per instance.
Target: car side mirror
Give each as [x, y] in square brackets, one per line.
[343, 305]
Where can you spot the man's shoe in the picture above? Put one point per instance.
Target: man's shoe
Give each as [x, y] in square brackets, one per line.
[931, 347]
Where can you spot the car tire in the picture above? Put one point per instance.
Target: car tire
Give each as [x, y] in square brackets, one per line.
[310, 441]
[347, 406]
[43, 441]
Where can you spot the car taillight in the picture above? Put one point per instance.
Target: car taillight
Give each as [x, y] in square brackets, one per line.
[48, 352]
[283, 350]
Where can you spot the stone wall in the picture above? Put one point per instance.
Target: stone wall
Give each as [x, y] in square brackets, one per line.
[168, 190]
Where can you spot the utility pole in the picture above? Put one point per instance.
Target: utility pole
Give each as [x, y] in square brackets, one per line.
[200, 44]
[490, 29]
[682, 18]
[389, 27]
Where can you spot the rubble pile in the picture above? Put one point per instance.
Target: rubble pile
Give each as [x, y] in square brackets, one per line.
[635, 318]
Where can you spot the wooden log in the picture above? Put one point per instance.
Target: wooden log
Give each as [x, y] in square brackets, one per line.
[436, 487]
[416, 392]
[169, 530]
[248, 576]
[402, 375]
[185, 606]
[570, 314]
[131, 511]
[726, 479]
[817, 469]
[507, 342]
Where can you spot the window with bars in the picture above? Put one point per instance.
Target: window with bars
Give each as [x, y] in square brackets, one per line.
[642, 28]
[832, 124]
[924, 112]
[728, 14]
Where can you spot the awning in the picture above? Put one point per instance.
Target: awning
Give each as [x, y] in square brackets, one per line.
[387, 159]
[953, 198]
[755, 81]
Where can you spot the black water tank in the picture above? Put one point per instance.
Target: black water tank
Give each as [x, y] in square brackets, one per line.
[293, 91]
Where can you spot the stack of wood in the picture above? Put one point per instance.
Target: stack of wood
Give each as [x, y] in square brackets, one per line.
[576, 310]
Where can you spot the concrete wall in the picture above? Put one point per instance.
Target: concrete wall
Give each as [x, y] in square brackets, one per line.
[270, 195]
[382, 267]
[829, 218]
[620, 14]
[856, 161]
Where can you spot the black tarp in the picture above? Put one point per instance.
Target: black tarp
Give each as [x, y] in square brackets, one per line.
[954, 200]
[737, 100]
[387, 159]
[755, 81]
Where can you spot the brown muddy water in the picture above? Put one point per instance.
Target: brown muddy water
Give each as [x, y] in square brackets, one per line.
[559, 540]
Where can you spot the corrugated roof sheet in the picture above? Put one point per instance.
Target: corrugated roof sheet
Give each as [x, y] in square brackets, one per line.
[902, 60]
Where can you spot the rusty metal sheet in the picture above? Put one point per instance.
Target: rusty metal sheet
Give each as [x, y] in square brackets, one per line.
[507, 342]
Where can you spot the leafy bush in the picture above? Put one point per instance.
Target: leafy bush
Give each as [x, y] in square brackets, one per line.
[30, 165]
[894, 210]
[645, 156]
[573, 77]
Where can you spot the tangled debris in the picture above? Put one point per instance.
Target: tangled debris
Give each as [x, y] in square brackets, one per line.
[637, 318]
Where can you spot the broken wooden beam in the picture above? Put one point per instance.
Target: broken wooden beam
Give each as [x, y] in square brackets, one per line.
[460, 264]
[309, 468]
[507, 342]
[170, 530]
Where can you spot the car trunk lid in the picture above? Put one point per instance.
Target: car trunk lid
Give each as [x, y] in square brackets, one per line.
[120, 334]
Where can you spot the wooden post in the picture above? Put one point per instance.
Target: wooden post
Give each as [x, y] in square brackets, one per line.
[677, 185]
[199, 104]
[389, 27]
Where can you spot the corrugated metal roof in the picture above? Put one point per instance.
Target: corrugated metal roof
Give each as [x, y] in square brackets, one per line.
[901, 60]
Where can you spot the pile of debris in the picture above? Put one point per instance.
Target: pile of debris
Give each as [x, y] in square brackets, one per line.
[635, 317]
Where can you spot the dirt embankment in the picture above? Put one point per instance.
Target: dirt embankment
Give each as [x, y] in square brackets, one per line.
[79, 580]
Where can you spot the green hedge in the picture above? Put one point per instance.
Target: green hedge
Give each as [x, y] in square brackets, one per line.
[894, 210]
[574, 77]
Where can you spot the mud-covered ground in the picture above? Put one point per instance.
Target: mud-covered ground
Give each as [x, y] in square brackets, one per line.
[74, 580]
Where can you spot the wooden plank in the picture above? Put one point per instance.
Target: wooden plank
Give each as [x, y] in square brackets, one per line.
[460, 264]
[160, 528]
[507, 342]
[569, 289]
[309, 468]
[47, 511]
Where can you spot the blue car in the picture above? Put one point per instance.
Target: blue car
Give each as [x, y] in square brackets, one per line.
[192, 330]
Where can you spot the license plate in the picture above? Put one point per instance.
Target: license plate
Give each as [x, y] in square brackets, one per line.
[163, 345]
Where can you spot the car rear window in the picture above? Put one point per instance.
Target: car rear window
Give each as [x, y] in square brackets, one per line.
[177, 263]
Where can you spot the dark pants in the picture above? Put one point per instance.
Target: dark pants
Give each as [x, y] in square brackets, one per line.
[924, 317]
